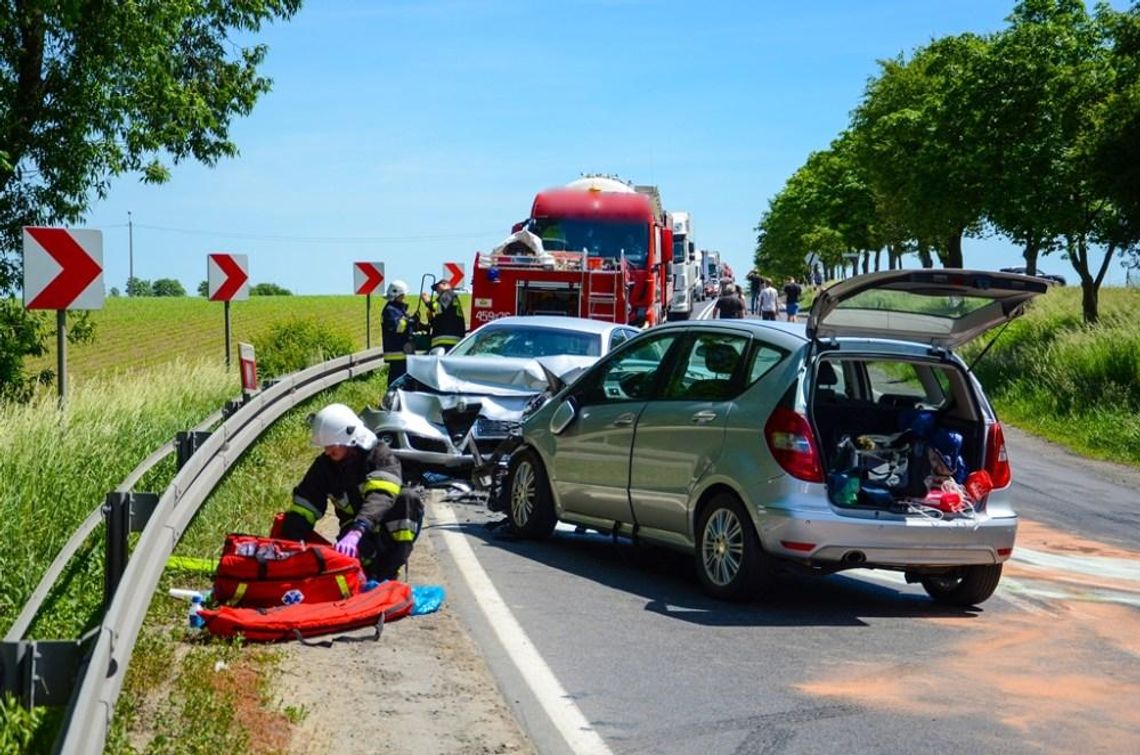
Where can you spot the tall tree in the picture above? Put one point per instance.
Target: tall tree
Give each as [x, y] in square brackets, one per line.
[90, 90]
[913, 144]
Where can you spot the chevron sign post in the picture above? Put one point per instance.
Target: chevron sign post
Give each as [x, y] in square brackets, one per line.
[63, 269]
[367, 277]
[227, 279]
[453, 273]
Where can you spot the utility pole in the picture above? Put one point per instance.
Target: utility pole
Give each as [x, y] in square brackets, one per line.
[130, 251]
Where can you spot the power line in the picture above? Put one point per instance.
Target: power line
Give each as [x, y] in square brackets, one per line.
[320, 239]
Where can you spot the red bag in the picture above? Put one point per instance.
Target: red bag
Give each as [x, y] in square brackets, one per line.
[391, 600]
[260, 572]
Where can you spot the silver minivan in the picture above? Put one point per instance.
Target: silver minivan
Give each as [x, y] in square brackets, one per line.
[858, 440]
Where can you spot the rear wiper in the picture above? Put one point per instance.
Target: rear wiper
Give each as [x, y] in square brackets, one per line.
[993, 340]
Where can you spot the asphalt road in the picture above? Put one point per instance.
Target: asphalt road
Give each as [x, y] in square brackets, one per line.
[850, 663]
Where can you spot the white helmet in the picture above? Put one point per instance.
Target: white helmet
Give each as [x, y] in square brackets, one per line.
[337, 425]
[397, 288]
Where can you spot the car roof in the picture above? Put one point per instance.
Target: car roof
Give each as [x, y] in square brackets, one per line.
[553, 322]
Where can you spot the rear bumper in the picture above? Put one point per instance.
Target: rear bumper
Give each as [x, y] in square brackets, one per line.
[827, 538]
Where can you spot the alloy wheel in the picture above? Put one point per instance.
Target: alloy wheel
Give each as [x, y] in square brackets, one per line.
[522, 493]
[722, 547]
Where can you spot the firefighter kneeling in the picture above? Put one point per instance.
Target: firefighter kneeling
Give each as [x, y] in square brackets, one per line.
[379, 521]
[397, 329]
[447, 323]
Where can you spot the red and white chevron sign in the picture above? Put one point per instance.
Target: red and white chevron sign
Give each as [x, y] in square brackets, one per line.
[367, 277]
[227, 277]
[63, 269]
[453, 273]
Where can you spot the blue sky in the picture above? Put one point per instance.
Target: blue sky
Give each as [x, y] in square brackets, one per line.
[416, 133]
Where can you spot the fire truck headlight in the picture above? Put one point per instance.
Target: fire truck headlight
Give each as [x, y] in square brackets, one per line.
[493, 274]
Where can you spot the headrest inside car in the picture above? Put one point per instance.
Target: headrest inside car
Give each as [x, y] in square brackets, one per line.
[826, 375]
[720, 358]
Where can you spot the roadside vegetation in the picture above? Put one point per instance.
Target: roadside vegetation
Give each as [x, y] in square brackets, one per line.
[1030, 133]
[1053, 375]
[58, 466]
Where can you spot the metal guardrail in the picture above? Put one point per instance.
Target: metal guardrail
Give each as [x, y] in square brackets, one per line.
[95, 693]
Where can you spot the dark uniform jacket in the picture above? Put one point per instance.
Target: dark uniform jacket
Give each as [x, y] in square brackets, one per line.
[730, 306]
[365, 489]
[447, 323]
[396, 329]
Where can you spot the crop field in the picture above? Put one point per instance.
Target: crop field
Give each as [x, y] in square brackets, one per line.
[137, 333]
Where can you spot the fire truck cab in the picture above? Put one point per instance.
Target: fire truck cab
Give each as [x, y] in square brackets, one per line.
[595, 248]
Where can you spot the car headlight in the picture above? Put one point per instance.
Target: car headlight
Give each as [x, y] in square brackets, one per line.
[390, 402]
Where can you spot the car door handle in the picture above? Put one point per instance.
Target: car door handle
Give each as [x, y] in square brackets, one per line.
[623, 420]
[701, 418]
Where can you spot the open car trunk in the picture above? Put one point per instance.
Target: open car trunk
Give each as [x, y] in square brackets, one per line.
[876, 419]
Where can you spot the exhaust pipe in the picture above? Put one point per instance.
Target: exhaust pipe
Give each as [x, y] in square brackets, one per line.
[854, 557]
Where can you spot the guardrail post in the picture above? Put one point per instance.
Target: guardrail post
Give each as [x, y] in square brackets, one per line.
[117, 517]
[40, 672]
[186, 443]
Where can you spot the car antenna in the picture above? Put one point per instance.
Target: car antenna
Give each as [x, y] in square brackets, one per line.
[993, 340]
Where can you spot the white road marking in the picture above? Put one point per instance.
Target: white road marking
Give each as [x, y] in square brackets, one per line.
[574, 727]
[1097, 566]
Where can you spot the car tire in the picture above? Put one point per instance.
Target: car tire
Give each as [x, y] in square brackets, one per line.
[967, 586]
[731, 565]
[530, 507]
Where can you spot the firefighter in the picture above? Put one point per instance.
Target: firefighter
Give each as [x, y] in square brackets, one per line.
[379, 523]
[446, 317]
[397, 329]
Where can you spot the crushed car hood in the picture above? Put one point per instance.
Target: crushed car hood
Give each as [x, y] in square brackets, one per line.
[503, 386]
[493, 376]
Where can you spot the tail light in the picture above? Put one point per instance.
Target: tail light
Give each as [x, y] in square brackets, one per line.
[997, 460]
[793, 445]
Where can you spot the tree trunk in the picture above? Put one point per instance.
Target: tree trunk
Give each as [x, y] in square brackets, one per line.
[1090, 306]
[953, 256]
[1032, 248]
[924, 255]
[866, 262]
[878, 258]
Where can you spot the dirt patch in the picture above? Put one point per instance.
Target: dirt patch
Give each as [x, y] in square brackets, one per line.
[1066, 679]
[422, 688]
[268, 729]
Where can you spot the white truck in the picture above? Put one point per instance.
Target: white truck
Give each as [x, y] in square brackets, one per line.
[687, 287]
[710, 272]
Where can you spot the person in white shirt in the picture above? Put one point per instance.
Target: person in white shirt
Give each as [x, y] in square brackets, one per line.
[769, 301]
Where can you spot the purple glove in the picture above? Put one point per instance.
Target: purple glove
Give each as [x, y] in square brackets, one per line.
[347, 544]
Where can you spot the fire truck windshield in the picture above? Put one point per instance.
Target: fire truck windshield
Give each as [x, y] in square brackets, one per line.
[598, 238]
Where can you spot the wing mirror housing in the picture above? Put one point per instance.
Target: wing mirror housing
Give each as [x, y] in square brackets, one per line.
[562, 417]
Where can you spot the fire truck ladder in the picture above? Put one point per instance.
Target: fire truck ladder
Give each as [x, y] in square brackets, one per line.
[602, 295]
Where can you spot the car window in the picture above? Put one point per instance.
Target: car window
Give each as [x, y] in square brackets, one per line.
[708, 368]
[764, 358]
[629, 375]
[903, 384]
[529, 342]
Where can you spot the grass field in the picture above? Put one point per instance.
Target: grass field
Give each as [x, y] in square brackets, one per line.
[132, 334]
[1052, 375]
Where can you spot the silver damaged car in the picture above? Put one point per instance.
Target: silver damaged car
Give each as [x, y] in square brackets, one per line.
[857, 440]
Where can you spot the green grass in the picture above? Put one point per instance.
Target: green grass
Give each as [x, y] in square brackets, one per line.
[1051, 374]
[133, 334]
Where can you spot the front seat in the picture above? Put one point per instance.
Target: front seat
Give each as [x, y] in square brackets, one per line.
[720, 359]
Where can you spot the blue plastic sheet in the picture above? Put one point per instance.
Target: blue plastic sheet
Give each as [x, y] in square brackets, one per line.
[426, 599]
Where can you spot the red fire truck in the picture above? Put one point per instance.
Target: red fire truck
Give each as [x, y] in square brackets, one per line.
[595, 248]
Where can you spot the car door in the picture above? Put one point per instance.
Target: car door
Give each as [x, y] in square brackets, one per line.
[591, 456]
[681, 433]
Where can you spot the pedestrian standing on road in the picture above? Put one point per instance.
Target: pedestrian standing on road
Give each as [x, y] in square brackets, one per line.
[817, 277]
[379, 521]
[792, 293]
[446, 321]
[754, 281]
[769, 301]
[396, 330]
[730, 305]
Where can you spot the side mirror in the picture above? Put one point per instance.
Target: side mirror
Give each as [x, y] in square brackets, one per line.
[562, 417]
[438, 351]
